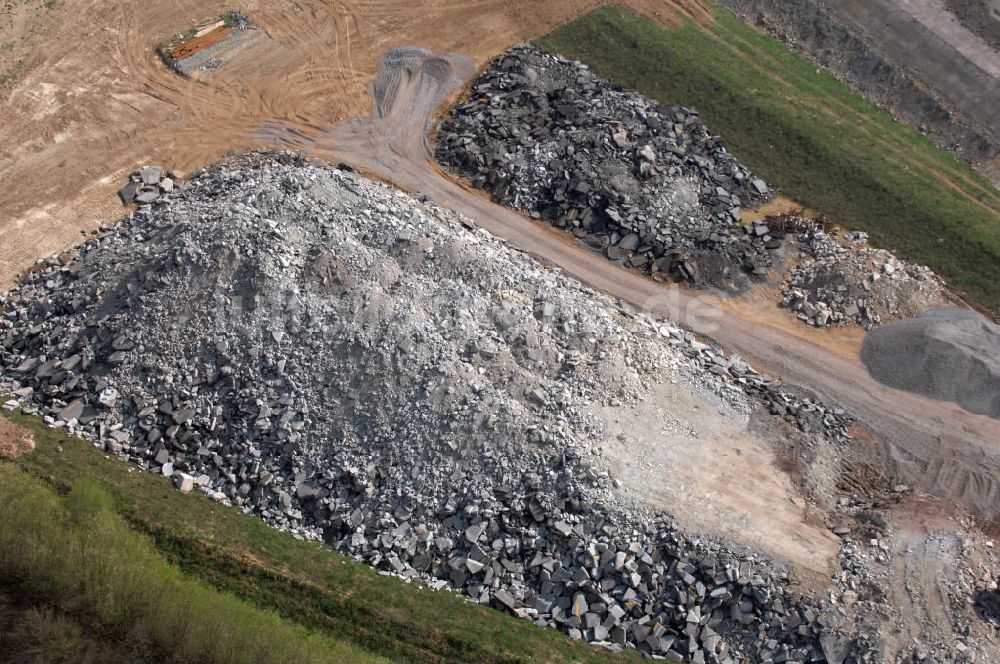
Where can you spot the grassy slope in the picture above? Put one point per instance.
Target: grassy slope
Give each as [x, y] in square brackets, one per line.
[303, 581]
[807, 133]
[32, 630]
[77, 554]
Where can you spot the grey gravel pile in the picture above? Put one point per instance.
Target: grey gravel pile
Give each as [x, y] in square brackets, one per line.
[837, 285]
[346, 363]
[951, 354]
[646, 183]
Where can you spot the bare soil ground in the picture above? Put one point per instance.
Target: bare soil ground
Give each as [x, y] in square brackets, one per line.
[14, 441]
[686, 454]
[933, 557]
[77, 120]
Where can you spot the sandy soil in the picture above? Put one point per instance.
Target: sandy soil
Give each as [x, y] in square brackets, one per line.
[930, 553]
[77, 120]
[14, 441]
[690, 456]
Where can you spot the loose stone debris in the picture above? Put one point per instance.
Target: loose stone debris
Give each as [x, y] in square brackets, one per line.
[647, 184]
[870, 569]
[147, 185]
[349, 364]
[838, 285]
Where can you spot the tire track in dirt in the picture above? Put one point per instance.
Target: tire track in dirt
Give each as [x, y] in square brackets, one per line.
[114, 104]
[929, 557]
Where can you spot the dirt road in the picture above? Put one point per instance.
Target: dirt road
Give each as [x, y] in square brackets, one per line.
[934, 446]
[91, 100]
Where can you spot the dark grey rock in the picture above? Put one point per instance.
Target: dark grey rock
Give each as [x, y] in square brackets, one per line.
[127, 193]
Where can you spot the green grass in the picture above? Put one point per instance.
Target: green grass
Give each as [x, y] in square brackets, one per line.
[332, 596]
[808, 134]
[35, 632]
[76, 552]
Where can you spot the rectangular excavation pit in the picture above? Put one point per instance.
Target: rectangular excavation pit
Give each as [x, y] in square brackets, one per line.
[211, 45]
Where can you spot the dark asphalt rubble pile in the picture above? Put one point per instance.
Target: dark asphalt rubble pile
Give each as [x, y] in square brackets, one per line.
[646, 183]
[837, 285]
[329, 354]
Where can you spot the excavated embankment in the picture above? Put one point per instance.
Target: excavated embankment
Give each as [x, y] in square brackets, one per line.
[951, 106]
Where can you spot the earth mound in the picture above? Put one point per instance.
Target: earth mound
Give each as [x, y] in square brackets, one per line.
[950, 354]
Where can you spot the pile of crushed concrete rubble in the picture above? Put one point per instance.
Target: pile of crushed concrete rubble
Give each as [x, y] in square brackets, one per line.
[349, 364]
[837, 284]
[648, 184]
[146, 185]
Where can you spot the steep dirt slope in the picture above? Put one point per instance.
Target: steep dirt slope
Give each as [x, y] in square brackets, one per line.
[922, 36]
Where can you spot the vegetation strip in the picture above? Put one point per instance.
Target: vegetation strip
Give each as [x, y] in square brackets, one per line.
[809, 134]
[77, 553]
[304, 582]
